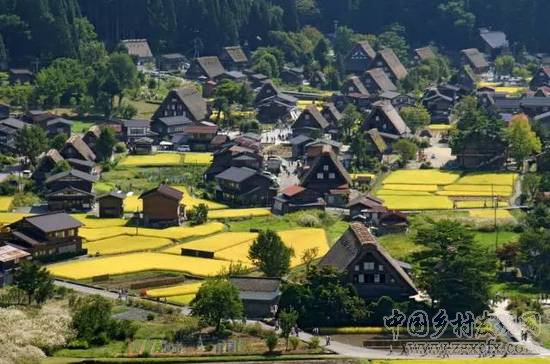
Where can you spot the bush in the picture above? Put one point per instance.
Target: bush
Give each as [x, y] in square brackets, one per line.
[150, 317]
[271, 341]
[254, 329]
[314, 343]
[78, 344]
[122, 330]
[307, 220]
[294, 342]
[120, 148]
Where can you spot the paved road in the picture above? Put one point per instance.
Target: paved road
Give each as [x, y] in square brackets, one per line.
[515, 329]
[338, 347]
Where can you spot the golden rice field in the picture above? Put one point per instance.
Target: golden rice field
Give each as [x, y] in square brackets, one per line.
[191, 201]
[176, 232]
[10, 217]
[165, 159]
[238, 213]
[181, 300]
[125, 244]
[213, 243]
[475, 204]
[132, 204]
[94, 222]
[439, 127]
[490, 214]
[5, 203]
[299, 240]
[355, 176]
[179, 290]
[436, 190]
[137, 262]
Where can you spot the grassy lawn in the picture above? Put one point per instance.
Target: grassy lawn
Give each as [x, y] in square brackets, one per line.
[487, 239]
[512, 289]
[81, 126]
[111, 350]
[145, 110]
[531, 360]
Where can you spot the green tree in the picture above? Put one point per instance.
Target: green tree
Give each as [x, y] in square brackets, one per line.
[217, 300]
[453, 270]
[394, 38]
[406, 149]
[105, 144]
[504, 65]
[523, 140]
[416, 117]
[126, 111]
[270, 254]
[91, 319]
[30, 142]
[271, 341]
[3, 55]
[343, 40]
[58, 141]
[121, 75]
[534, 246]
[287, 320]
[61, 166]
[199, 214]
[63, 79]
[35, 281]
[321, 52]
[530, 186]
[350, 121]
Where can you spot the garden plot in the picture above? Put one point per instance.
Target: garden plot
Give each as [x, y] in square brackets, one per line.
[166, 160]
[178, 290]
[11, 217]
[93, 222]
[422, 177]
[125, 244]
[137, 262]
[238, 213]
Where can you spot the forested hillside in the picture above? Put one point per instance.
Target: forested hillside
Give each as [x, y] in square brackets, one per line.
[51, 28]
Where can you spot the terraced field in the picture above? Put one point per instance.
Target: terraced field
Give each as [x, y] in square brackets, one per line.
[166, 159]
[125, 244]
[5, 203]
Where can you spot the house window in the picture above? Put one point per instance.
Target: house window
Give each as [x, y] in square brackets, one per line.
[70, 232]
[356, 268]
[331, 176]
[380, 268]
[377, 278]
[325, 168]
[368, 265]
[361, 278]
[306, 117]
[320, 176]
[355, 278]
[392, 280]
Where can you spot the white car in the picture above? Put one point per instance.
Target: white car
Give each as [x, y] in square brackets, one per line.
[183, 148]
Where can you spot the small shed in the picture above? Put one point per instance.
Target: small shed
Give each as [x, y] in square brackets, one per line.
[111, 204]
[260, 296]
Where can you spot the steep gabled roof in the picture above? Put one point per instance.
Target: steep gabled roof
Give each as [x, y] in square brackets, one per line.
[54, 155]
[494, 39]
[352, 243]
[59, 121]
[392, 115]
[79, 144]
[365, 46]
[166, 191]
[381, 79]
[475, 57]
[193, 101]
[394, 64]
[138, 47]
[358, 84]
[377, 140]
[367, 201]
[13, 123]
[237, 174]
[316, 115]
[293, 190]
[425, 53]
[236, 54]
[319, 161]
[211, 66]
[94, 130]
[115, 194]
[332, 110]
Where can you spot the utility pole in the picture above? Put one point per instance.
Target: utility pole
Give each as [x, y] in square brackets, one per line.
[495, 206]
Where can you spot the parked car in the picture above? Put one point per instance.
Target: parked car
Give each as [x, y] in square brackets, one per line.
[183, 148]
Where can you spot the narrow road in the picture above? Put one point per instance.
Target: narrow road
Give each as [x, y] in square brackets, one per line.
[515, 329]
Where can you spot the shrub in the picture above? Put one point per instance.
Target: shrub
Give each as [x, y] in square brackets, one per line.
[271, 341]
[120, 148]
[122, 330]
[208, 347]
[254, 329]
[78, 344]
[294, 342]
[308, 220]
[150, 317]
[314, 343]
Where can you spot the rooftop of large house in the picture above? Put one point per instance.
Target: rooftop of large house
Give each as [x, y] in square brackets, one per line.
[9, 253]
[494, 39]
[54, 221]
[138, 47]
[166, 191]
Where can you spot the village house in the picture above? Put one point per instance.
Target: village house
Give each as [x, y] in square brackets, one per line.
[233, 58]
[243, 186]
[316, 147]
[387, 120]
[233, 155]
[91, 137]
[354, 92]
[75, 148]
[58, 126]
[534, 105]
[47, 236]
[70, 191]
[135, 129]
[141, 146]
[359, 58]
[368, 266]
[82, 165]
[163, 206]
[298, 144]
[198, 136]
[477, 153]
[423, 54]
[46, 164]
[20, 76]
[292, 75]
[310, 123]
[438, 105]
[541, 78]
[184, 102]
[472, 57]
[139, 50]
[168, 126]
[260, 296]
[493, 43]
[328, 177]
[297, 198]
[376, 146]
[318, 80]
[172, 62]
[392, 66]
[360, 203]
[111, 205]
[396, 99]
[8, 131]
[38, 117]
[377, 81]
[465, 79]
[333, 117]
[257, 80]
[273, 106]
[10, 259]
[205, 68]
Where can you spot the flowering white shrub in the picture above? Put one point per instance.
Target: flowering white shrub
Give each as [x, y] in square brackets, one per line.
[25, 335]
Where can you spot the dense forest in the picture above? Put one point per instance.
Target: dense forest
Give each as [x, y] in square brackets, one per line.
[47, 29]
